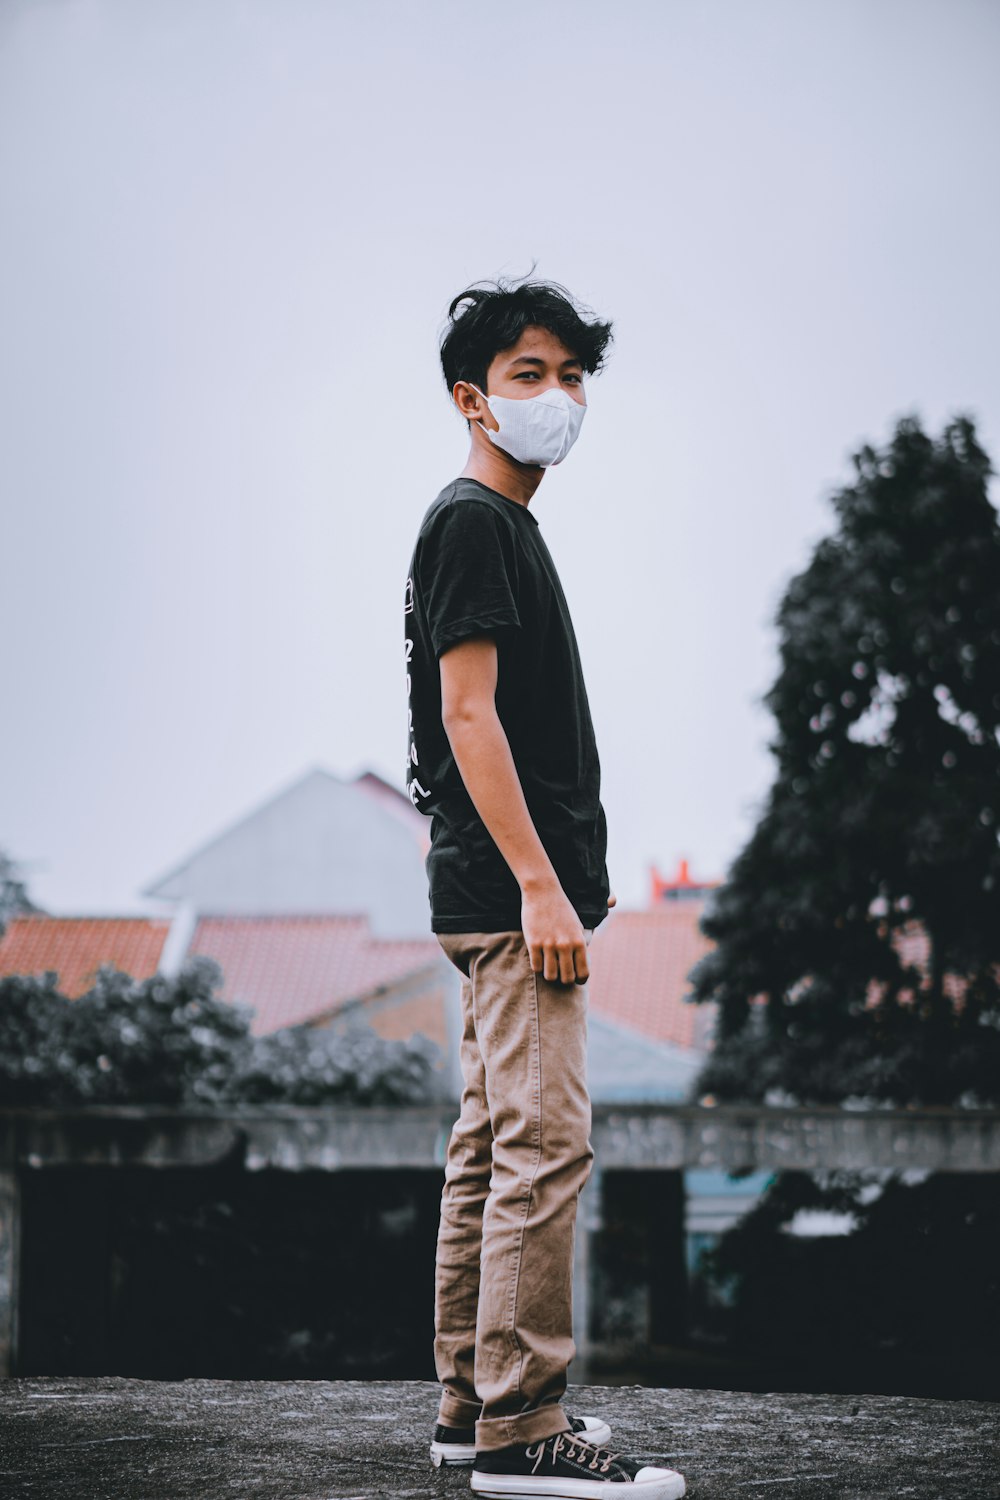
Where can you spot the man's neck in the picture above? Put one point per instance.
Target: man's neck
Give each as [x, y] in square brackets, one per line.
[494, 468]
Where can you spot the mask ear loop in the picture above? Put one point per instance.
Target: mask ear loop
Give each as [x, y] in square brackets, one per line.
[487, 400]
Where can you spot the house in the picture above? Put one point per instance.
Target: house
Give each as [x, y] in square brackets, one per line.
[314, 903]
[320, 845]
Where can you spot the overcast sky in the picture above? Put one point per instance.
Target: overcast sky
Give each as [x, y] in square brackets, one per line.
[230, 233]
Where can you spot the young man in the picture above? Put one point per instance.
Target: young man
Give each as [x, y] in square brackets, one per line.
[502, 757]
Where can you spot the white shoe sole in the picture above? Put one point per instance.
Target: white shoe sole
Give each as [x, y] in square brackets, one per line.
[452, 1453]
[523, 1487]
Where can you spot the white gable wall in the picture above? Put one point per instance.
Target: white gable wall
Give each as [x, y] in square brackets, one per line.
[321, 846]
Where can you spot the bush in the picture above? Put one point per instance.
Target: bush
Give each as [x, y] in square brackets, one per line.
[174, 1041]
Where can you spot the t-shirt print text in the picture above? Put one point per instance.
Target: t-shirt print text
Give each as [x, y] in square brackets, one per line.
[413, 788]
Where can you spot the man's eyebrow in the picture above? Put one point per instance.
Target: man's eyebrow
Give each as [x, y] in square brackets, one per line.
[533, 359]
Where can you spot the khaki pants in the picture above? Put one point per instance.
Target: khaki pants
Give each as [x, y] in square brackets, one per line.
[518, 1156]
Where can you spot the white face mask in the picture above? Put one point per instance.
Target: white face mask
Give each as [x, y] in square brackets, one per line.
[537, 430]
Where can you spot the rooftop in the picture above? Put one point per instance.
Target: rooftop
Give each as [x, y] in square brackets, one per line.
[319, 1440]
[76, 947]
[639, 963]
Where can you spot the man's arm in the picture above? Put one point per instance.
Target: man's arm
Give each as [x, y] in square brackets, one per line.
[552, 930]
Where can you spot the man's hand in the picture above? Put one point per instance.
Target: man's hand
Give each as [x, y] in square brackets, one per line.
[553, 934]
[612, 900]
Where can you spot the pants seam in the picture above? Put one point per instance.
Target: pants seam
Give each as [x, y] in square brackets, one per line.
[537, 1068]
[461, 1147]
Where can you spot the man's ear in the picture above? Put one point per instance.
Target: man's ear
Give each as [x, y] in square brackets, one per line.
[472, 405]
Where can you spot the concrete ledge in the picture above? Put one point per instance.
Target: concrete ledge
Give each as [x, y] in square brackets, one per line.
[66, 1439]
[638, 1136]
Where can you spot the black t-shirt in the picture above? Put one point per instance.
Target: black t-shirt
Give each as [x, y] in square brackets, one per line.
[480, 566]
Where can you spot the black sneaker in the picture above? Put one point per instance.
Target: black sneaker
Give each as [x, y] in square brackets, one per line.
[457, 1445]
[567, 1467]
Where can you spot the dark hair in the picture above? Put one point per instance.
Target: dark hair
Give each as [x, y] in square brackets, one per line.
[491, 316]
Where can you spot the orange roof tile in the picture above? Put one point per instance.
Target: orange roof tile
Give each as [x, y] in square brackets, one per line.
[77, 946]
[296, 968]
[639, 962]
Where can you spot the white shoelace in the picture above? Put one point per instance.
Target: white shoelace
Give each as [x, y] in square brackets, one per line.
[601, 1461]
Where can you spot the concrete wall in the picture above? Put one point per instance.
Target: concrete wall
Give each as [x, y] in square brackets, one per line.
[637, 1137]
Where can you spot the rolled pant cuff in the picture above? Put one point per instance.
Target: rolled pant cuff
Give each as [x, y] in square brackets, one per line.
[527, 1427]
[454, 1412]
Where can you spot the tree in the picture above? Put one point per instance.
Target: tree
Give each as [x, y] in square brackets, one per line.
[14, 898]
[882, 820]
[902, 1295]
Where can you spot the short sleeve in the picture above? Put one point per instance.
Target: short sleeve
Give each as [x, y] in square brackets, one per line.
[466, 574]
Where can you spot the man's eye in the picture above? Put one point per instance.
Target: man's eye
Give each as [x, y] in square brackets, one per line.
[577, 378]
